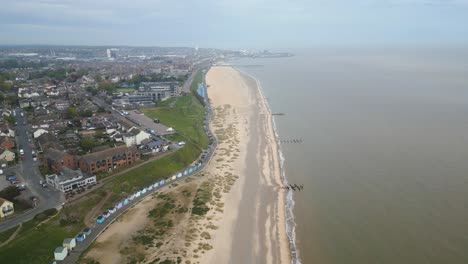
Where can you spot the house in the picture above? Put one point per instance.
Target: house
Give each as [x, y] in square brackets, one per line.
[135, 137]
[48, 140]
[68, 180]
[56, 160]
[60, 253]
[39, 132]
[108, 159]
[5, 130]
[6, 143]
[69, 243]
[6, 112]
[7, 155]
[6, 208]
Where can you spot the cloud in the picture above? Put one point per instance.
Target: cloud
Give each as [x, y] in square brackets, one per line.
[227, 21]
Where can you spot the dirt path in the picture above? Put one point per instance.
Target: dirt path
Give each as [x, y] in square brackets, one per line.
[12, 236]
[88, 220]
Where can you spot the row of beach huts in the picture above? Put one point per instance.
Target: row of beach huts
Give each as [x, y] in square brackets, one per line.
[61, 253]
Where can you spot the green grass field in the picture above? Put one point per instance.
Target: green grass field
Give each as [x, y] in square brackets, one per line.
[125, 90]
[36, 244]
[6, 234]
[185, 115]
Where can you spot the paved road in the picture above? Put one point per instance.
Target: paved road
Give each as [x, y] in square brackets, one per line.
[29, 172]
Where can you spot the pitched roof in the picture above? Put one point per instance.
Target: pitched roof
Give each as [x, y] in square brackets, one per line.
[100, 155]
[48, 140]
[54, 154]
[2, 200]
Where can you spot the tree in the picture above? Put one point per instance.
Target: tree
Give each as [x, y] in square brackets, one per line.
[10, 193]
[107, 86]
[71, 112]
[86, 113]
[88, 143]
[92, 90]
[10, 119]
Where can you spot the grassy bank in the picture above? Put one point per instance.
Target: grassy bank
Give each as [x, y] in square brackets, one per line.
[36, 242]
[185, 115]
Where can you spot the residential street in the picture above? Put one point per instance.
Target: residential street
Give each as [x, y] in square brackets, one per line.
[28, 173]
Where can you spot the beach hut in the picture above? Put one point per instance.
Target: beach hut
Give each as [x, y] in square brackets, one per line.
[112, 210]
[137, 194]
[69, 243]
[155, 185]
[150, 188]
[60, 253]
[131, 197]
[173, 178]
[125, 202]
[161, 182]
[190, 170]
[179, 174]
[143, 191]
[80, 237]
[119, 205]
[185, 172]
[100, 219]
[87, 231]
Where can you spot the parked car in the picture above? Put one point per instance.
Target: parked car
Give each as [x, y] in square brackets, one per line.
[100, 219]
[11, 178]
[87, 231]
[80, 237]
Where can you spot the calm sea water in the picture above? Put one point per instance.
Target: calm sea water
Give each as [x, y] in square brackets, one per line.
[384, 158]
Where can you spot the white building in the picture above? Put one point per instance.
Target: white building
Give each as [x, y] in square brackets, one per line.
[69, 243]
[6, 208]
[135, 137]
[60, 253]
[7, 155]
[39, 132]
[69, 180]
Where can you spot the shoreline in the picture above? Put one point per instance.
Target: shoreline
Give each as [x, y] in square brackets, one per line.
[288, 199]
[256, 224]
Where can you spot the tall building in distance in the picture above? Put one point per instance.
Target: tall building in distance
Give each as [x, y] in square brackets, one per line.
[112, 54]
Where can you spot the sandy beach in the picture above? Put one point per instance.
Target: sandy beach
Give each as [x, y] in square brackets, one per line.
[245, 220]
[252, 229]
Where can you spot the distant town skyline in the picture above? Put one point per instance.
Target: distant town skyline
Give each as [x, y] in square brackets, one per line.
[234, 24]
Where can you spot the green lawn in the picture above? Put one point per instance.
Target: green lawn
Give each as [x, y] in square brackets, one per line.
[185, 115]
[36, 244]
[6, 234]
[196, 80]
[143, 176]
[125, 90]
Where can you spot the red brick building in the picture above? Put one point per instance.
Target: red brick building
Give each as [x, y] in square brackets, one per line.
[108, 159]
[56, 160]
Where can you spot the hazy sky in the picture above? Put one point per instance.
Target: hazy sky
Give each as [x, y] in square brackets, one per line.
[233, 23]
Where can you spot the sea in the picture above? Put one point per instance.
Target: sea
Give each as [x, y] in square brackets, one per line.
[378, 138]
